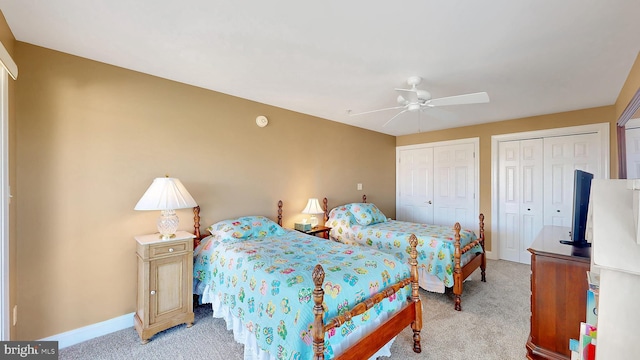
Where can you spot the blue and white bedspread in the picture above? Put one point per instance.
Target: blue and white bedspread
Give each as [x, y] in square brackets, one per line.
[263, 273]
[364, 224]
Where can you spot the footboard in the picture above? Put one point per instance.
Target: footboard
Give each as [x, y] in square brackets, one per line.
[410, 314]
[460, 273]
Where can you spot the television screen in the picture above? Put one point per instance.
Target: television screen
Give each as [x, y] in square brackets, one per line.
[581, 192]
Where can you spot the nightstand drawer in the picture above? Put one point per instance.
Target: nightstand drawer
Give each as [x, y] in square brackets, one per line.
[166, 249]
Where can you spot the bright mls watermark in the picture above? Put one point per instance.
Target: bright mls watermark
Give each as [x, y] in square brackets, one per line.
[41, 350]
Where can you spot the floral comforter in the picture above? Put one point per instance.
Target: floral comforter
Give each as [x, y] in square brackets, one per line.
[435, 243]
[267, 283]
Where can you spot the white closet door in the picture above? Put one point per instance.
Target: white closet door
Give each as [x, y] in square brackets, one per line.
[531, 201]
[454, 185]
[520, 197]
[415, 181]
[509, 197]
[633, 153]
[562, 155]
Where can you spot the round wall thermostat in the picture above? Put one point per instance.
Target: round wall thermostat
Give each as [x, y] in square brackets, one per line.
[262, 121]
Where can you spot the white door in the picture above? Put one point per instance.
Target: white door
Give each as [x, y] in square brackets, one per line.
[562, 155]
[563, 151]
[454, 185]
[633, 152]
[415, 182]
[509, 200]
[520, 197]
[437, 184]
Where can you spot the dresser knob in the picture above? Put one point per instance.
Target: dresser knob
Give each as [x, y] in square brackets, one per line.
[153, 292]
[170, 249]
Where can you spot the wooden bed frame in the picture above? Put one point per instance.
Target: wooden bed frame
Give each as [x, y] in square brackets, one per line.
[409, 315]
[460, 273]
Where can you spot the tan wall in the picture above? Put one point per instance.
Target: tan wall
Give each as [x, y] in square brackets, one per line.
[485, 131]
[631, 85]
[8, 41]
[91, 138]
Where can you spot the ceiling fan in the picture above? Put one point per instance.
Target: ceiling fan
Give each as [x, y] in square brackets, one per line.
[414, 99]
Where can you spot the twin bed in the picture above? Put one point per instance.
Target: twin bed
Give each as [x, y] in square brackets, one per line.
[446, 255]
[288, 295]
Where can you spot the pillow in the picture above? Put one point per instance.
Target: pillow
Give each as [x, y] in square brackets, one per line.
[339, 215]
[245, 228]
[366, 213]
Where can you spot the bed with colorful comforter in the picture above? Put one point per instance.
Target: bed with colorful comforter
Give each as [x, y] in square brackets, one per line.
[258, 276]
[364, 224]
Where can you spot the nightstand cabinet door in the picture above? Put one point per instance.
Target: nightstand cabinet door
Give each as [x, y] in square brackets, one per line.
[169, 278]
[165, 282]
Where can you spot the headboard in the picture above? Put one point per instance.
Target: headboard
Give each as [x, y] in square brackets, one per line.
[196, 221]
[325, 206]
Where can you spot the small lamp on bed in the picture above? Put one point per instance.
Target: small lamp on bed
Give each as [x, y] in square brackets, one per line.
[313, 207]
[166, 194]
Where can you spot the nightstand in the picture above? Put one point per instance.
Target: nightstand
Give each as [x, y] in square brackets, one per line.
[165, 282]
[320, 231]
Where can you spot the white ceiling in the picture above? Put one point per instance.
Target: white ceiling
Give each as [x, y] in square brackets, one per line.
[323, 58]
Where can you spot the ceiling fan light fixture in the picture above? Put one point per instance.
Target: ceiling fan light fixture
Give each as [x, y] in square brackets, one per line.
[413, 107]
[423, 95]
[401, 100]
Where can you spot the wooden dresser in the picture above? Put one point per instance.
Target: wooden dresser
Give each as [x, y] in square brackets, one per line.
[558, 294]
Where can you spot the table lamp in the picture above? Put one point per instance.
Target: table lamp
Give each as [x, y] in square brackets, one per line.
[166, 194]
[313, 207]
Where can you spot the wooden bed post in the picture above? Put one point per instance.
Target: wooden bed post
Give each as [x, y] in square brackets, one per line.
[196, 226]
[483, 266]
[364, 198]
[457, 270]
[280, 212]
[318, 312]
[416, 325]
[325, 204]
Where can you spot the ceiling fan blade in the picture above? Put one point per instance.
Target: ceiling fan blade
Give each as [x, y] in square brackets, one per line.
[411, 95]
[398, 114]
[373, 111]
[474, 98]
[439, 114]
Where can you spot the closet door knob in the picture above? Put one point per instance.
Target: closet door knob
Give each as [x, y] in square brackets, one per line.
[153, 292]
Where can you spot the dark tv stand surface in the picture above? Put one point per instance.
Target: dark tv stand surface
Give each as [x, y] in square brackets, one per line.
[580, 244]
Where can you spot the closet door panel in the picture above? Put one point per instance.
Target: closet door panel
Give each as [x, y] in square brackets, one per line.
[509, 200]
[563, 155]
[416, 185]
[454, 174]
[531, 202]
[520, 197]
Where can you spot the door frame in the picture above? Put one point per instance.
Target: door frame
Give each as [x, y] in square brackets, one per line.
[602, 129]
[476, 149]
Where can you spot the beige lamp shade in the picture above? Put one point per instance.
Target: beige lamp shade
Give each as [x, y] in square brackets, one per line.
[313, 207]
[166, 194]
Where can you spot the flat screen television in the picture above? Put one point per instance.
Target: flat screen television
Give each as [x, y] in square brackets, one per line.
[581, 192]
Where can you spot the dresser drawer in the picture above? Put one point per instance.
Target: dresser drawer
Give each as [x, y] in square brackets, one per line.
[156, 250]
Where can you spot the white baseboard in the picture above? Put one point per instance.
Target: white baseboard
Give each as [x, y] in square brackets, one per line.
[88, 332]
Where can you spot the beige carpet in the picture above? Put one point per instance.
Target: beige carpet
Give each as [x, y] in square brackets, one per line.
[493, 324]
